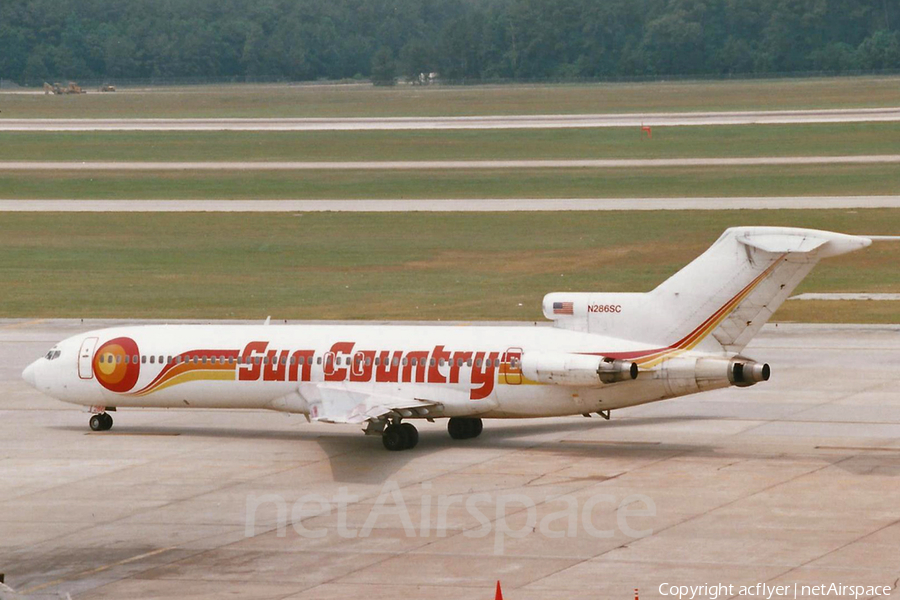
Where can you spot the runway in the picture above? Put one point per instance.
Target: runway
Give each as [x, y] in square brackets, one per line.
[441, 165]
[452, 205]
[682, 119]
[793, 481]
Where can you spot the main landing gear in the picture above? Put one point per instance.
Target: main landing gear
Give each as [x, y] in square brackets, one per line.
[400, 436]
[404, 436]
[461, 428]
[101, 422]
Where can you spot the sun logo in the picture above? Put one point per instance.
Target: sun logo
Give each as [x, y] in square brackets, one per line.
[117, 364]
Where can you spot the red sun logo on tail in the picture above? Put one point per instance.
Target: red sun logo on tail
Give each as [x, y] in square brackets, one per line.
[116, 364]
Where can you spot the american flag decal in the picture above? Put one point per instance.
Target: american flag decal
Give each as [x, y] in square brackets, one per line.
[563, 308]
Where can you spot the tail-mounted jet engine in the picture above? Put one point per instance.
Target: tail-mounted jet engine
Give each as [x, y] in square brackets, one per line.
[562, 368]
[744, 373]
[688, 375]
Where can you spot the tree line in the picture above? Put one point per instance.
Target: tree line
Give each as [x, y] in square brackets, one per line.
[462, 40]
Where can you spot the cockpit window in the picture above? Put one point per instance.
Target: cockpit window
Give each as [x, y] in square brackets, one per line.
[52, 354]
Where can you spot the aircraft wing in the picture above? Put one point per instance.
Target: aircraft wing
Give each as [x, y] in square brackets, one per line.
[336, 403]
[7, 593]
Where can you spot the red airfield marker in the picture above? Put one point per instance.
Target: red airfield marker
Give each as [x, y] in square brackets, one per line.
[499, 594]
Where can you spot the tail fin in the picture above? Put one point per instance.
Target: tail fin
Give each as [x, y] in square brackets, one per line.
[717, 302]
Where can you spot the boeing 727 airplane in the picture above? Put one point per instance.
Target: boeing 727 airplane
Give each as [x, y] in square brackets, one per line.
[603, 352]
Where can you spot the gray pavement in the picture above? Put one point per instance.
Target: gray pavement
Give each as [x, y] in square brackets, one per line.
[854, 115]
[792, 481]
[440, 165]
[450, 204]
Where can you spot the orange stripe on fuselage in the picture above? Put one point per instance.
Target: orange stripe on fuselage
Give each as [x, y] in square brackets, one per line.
[175, 369]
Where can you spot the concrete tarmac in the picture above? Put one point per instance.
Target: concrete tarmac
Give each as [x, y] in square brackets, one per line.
[441, 165]
[794, 481]
[853, 115]
[455, 205]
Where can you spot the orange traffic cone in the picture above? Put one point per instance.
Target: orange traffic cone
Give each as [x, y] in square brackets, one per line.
[499, 594]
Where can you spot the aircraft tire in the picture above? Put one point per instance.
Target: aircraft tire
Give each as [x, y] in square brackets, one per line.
[456, 427]
[107, 421]
[411, 434]
[394, 438]
[461, 428]
[97, 422]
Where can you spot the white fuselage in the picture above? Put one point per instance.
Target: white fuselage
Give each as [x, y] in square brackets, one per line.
[469, 370]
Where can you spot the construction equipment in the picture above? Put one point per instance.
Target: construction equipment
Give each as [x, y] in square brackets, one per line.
[58, 88]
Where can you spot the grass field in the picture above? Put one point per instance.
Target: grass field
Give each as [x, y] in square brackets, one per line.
[392, 266]
[365, 100]
[826, 180]
[711, 141]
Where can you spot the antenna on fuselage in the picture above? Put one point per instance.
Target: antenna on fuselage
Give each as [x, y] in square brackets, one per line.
[268, 320]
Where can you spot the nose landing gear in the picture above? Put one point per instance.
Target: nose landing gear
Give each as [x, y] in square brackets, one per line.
[101, 422]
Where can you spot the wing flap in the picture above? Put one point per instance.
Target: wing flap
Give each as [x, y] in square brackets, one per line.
[341, 404]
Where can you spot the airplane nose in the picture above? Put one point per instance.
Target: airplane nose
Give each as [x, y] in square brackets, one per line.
[28, 374]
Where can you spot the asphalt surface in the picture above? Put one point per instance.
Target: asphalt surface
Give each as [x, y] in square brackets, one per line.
[794, 481]
[855, 115]
[439, 165]
[455, 205]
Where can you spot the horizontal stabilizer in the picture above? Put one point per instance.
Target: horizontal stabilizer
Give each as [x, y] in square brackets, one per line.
[781, 244]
